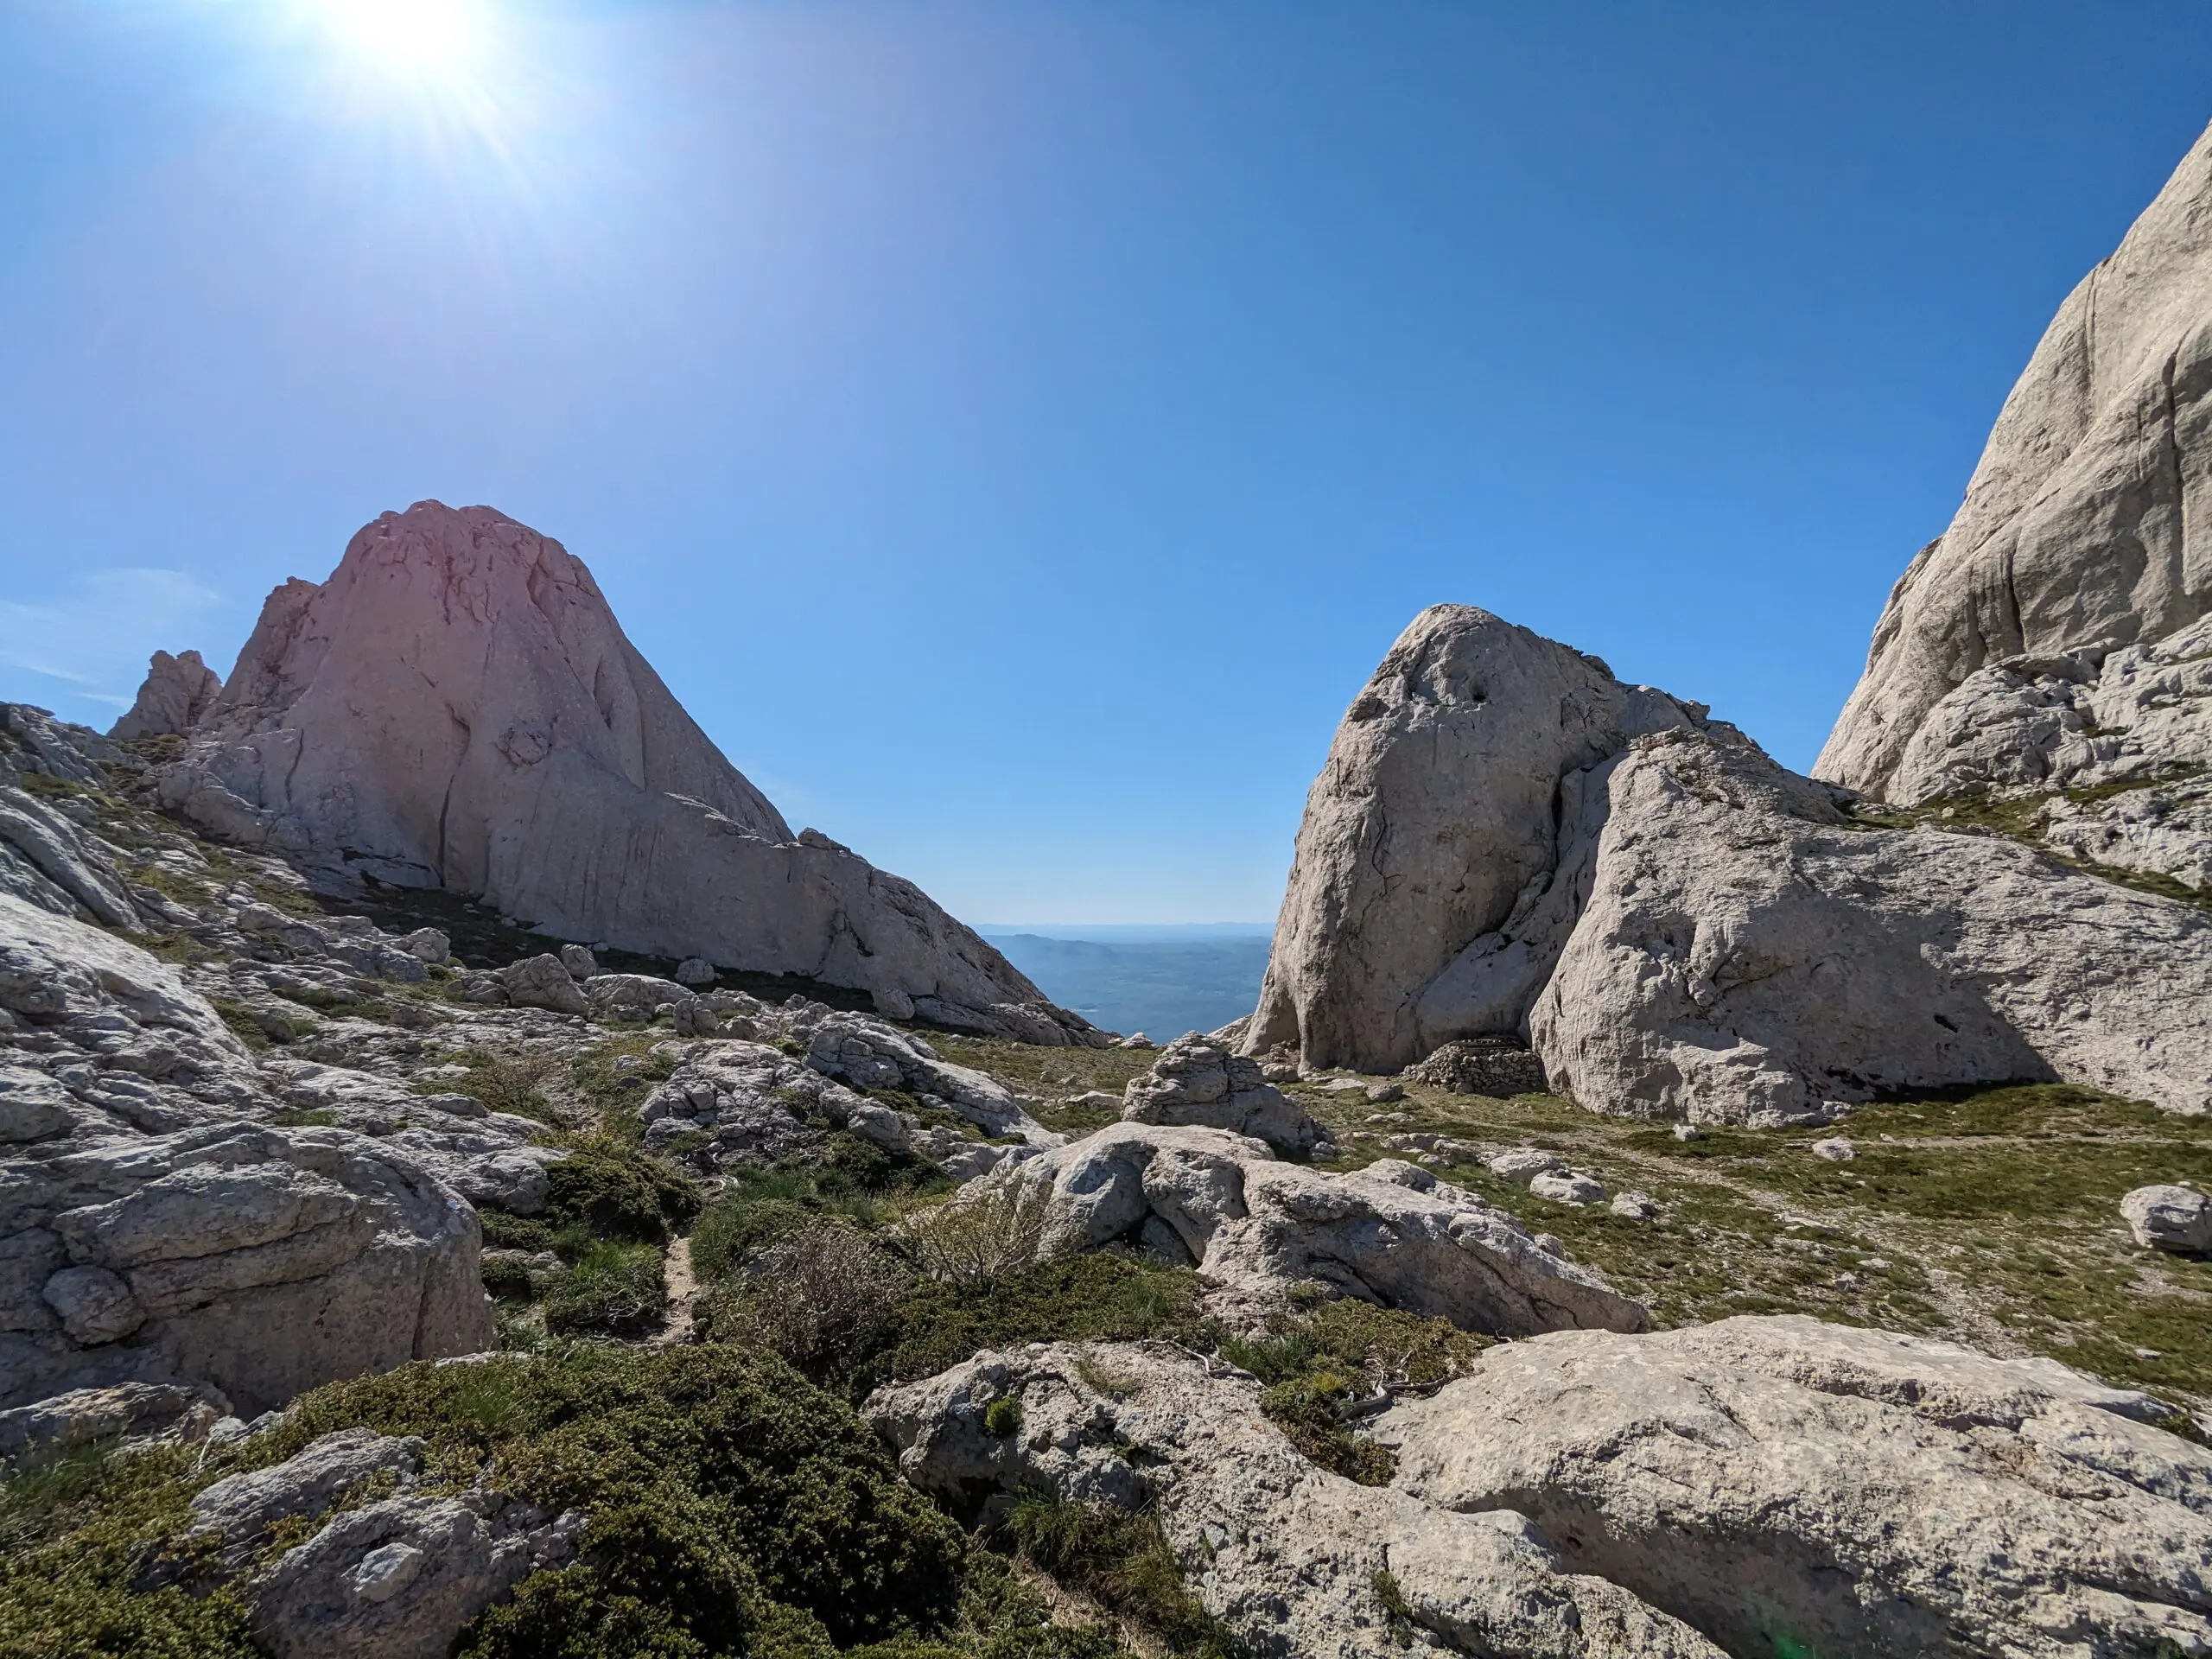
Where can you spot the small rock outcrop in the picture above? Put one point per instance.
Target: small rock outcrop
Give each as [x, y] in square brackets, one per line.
[49, 856]
[1197, 1084]
[2177, 1218]
[2014, 650]
[457, 707]
[259, 1261]
[1759, 1485]
[1438, 865]
[396, 1579]
[1752, 954]
[1391, 1234]
[176, 695]
[1953, 1503]
[1298, 1562]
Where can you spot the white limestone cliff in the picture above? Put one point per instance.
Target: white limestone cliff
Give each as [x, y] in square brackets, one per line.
[456, 707]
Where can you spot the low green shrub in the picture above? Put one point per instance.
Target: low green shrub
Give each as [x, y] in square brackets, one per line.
[612, 1289]
[506, 1280]
[1122, 1561]
[75, 1531]
[856, 1183]
[823, 1299]
[611, 1191]
[502, 1084]
[726, 1497]
[1320, 1360]
[983, 1233]
[1003, 1417]
[1099, 1298]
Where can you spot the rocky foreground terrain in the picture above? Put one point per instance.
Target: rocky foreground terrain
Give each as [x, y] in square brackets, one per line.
[472, 1182]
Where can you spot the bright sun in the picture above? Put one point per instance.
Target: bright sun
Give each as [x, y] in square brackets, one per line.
[425, 38]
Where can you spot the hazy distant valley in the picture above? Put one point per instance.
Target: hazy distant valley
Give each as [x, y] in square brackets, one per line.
[1162, 981]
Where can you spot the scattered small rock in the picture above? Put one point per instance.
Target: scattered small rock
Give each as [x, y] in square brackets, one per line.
[2173, 1219]
[579, 961]
[1522, 1164]
[1836, 1149]
[1635, 1206]
[1567, 1187]
[697, 971]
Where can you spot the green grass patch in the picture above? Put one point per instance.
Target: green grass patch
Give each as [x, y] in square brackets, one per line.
[1099, 1298]
[75, 1530]
[1317, 1363]
[613, 1078]
[612, 1289]
[504, 1083]
[1123, 1562]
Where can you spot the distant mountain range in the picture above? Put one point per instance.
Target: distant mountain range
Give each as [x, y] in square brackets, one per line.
[1162, 981]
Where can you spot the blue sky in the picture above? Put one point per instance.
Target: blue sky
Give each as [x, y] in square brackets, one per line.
[1016, 430]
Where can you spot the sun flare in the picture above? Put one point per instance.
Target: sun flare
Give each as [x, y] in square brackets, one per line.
[421, 38]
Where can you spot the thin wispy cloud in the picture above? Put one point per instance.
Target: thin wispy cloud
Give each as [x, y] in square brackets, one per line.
[89, 643]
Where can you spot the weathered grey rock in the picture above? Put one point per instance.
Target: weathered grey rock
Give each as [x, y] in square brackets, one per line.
[54, 858]
[49, 856]
[1295, 1559]
[1781, 1485]
[1635, 1206]
[400, 1579]
[457, 707]
[395, 1579]
[2177, 1218]
[176, 695]
[579, 961]
[1197, 1084]
[1835, 1149]
[694, 970]
[429, 944]
[32, 1106]
[1521, 1164]
[260, 1261]
[756, 1106]
[2080, 535]
[1751, 954]
[239, 1510]
[1566, 1186]
[136, 1411]
[1436, 872]
[871, 1053]
[633, 996]
[132, 1015]
[542, 982]
[1391, 1233]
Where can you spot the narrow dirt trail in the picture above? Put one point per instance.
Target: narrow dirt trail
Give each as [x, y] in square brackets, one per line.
[682, 1288]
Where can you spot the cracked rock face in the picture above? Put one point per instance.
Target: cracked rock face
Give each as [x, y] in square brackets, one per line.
[1751, 954]
[1437, 866]
[259, 1261]
[2082, 543]
[1784, 1486]
[457, 707]
[1391, 1233]
[1196, 1082]
[1289, 1555]
[1760, 1485]
[176, 695]
[396, 1579]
